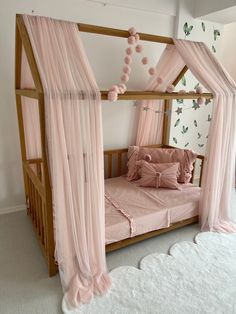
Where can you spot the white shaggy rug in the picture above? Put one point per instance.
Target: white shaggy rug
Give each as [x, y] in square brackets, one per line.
[194, 278]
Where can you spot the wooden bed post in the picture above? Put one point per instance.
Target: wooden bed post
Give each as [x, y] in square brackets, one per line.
[22, 37]
[167, 108]
[18, 54]
[166, 122]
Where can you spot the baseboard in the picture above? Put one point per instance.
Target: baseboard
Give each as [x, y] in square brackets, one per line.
[13, 209]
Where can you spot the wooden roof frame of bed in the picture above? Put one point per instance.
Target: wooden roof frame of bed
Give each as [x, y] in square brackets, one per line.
[37, 185]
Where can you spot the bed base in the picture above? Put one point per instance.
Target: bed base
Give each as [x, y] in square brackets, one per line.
[126, 242]
[38, 209]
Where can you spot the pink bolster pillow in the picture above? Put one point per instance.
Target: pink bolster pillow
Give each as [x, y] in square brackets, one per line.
[158, 175]
[184, 157]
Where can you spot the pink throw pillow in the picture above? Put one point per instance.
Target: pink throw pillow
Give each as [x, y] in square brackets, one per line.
[184, 157]
[159, 175]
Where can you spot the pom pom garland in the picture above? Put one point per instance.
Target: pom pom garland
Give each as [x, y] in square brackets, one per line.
[132, 31]
[122, 88]
[127, 69]
[152, 71]
[200, 100]
[145, 60]
[129, 51]
[114, 88]
[182, 91]
[170, 88]
[136, 36]
[139, 48]
[128, 60]
[124, 78]
[112, 96]
[199, 90]
[131, 40]
[192, 92]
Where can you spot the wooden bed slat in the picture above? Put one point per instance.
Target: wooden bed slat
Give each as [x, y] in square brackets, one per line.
[35, 180]
[109, 165]
[139, 95]
[123, 243]
[31, 93]
[122, 33]
[119, 164]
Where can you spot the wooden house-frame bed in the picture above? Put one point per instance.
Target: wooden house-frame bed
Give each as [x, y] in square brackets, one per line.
[37, 184]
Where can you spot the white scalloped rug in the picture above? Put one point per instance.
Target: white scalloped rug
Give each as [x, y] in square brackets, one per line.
[195, 278]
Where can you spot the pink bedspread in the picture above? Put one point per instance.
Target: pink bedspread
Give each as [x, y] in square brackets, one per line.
[132, 210]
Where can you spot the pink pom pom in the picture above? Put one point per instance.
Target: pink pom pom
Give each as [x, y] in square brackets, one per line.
[127, 69]
[139, 48]
[145, 60]
[182, 91]
[132, 31]
[159, 80]
[131, 40]
[200, 100]
[114, 88]
[112, 96]
[137, 37]
[128, 60]
[170, 88]
[124, 78]
[192, 92]
[199, 90]
[152, 71]
[122, 88]
[129, 51]
[148, 157]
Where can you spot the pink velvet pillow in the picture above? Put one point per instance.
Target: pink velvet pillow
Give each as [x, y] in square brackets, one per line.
[159, 175]
[184, 157]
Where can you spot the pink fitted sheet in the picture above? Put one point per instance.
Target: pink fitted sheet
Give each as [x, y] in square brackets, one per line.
[132, 210]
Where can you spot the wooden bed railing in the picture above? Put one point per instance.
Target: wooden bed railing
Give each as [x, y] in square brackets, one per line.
[114, 165]
[36, 204]
[115, 162]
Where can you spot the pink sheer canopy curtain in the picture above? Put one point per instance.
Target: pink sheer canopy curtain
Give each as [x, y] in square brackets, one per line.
[75, 150]
[151, 112]
[30, 113]
[218, 172]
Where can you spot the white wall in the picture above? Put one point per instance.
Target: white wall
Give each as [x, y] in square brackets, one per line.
[229, 49]
[105, 55]
[195, 120]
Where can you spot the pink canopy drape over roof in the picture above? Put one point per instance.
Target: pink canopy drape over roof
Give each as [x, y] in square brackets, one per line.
[218, 173]
[75, 151]
[150, 125]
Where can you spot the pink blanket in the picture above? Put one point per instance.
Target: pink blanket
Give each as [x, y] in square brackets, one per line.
[132, 210]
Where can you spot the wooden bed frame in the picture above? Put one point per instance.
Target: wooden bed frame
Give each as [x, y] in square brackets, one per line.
[36, 174]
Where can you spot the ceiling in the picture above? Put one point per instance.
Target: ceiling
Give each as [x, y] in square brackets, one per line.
[219, 11]
[225, 16]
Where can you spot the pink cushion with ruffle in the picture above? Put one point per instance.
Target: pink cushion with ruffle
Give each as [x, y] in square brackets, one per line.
[158, 175]
[185, 157]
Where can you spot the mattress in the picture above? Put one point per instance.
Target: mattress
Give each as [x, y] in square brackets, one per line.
[132, 210]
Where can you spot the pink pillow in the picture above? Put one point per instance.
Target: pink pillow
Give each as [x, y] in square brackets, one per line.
[159, 175]
[185, 157]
